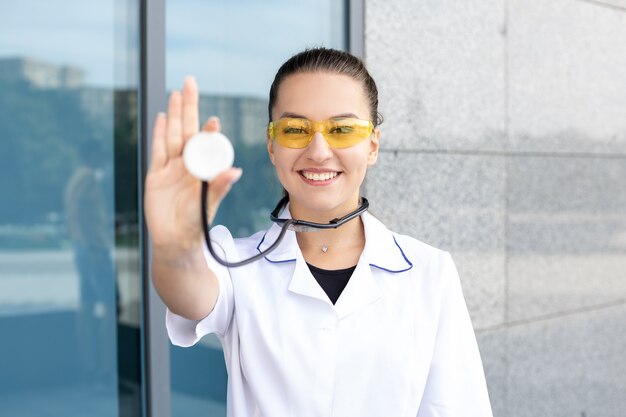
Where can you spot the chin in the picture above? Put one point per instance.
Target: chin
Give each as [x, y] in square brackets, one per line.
[321, 203]
[320, 206]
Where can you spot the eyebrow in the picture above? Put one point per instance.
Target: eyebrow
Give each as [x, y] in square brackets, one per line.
[299, 116]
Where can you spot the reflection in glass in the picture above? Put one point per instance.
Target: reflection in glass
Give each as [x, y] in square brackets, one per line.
[69, 275]
[234, 60]
[88, 228]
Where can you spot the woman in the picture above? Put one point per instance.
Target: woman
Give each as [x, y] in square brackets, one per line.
[354, 321]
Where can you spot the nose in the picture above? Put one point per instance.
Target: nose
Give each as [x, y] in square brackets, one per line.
[319, 150]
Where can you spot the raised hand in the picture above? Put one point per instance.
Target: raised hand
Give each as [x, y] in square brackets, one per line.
[172, 195]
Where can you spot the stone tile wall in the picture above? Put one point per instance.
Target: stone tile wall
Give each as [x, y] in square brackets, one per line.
[504, 142]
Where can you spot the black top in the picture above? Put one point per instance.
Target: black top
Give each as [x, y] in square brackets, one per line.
[332, 281]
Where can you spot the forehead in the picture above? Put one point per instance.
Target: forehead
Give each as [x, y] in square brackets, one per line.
[320, 95]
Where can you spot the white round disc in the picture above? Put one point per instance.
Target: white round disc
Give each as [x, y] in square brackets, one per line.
[207, 154]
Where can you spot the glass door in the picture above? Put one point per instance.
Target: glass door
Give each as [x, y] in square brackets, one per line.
[70, 288]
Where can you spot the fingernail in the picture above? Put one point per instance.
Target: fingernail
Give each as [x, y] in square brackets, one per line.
[160, 115]
[237, 176]
[190, 78]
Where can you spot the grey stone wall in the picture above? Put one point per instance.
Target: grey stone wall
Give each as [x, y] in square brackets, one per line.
[504, 142]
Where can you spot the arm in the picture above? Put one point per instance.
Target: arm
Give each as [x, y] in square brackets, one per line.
[184, 282]
[179, 271]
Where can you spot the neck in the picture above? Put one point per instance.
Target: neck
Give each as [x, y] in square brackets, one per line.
[349, 237]
[311, 214]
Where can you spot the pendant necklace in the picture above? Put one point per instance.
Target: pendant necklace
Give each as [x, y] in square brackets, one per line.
[324, 248]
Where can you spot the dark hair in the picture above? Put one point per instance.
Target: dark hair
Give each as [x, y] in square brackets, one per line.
[333, 61]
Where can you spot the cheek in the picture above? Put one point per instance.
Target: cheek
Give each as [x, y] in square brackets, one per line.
[284, 159]
[355, 159]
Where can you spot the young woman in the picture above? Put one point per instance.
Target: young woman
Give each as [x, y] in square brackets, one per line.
[353, 321]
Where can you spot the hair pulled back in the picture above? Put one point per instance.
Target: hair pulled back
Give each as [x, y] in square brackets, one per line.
[333, 61]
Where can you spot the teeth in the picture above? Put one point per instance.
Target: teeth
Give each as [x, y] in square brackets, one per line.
[325, 176]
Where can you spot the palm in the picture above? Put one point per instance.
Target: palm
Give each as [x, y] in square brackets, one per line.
[172, 195]
[172, 199]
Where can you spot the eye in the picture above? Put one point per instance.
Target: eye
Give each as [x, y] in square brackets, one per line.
[341, 130]
[294, 130]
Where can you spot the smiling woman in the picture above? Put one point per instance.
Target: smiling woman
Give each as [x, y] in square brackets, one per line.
[301, 327]
[322, 181]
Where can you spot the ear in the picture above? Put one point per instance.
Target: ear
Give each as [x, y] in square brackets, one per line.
[372, 157]
[270, 147]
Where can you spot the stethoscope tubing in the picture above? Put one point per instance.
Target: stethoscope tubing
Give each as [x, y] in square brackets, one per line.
[285, 224]
[207, 237]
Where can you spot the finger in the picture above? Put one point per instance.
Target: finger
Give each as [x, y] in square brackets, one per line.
[190, 108]
[212, 125]
[159, 152]
[221, 185]
[174, 125]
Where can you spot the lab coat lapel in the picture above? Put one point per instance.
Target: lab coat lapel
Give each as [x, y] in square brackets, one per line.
[382, 257]
[361, 290]
[304, 283]
[381, 251]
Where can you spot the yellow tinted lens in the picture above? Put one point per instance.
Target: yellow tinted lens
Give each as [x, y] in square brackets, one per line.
[343, 133]
[339, 133]
[291, 133]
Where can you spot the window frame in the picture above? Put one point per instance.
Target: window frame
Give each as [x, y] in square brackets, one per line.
[155, 343]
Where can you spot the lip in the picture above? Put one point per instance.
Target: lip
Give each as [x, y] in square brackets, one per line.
[319, 170]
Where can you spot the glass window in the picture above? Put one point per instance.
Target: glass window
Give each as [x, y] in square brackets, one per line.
[234, 49]
[69, 268]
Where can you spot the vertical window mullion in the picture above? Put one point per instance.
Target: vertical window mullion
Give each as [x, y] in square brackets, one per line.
[153, 99]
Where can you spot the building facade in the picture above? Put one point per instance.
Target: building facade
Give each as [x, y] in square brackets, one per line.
[504, 143]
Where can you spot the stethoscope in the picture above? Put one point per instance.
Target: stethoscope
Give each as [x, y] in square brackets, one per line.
[209, 153]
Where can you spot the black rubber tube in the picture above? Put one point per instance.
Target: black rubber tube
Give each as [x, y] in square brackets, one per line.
[207, 237]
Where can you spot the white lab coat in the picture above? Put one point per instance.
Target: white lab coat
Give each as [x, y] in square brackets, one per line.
[398, 342]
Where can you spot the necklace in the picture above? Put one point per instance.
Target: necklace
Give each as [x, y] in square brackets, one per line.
[324, 248]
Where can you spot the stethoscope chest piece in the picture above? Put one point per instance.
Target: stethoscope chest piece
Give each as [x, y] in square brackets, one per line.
[207, 154]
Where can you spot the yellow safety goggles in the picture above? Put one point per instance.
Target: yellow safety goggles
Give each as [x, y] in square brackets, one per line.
[339, 133]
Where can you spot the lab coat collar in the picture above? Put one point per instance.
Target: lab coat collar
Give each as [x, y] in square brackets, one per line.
[381, 251]
[361, 290]
[381, 247]
[288, 248]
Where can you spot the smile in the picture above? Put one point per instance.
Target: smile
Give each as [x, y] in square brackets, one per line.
[319, 176]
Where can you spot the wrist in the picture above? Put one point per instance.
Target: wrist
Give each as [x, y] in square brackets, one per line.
[177, 256]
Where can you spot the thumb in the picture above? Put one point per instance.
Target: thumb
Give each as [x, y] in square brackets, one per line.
[221, 185]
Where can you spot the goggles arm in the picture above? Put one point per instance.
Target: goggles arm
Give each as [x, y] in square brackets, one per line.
[306, 226]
